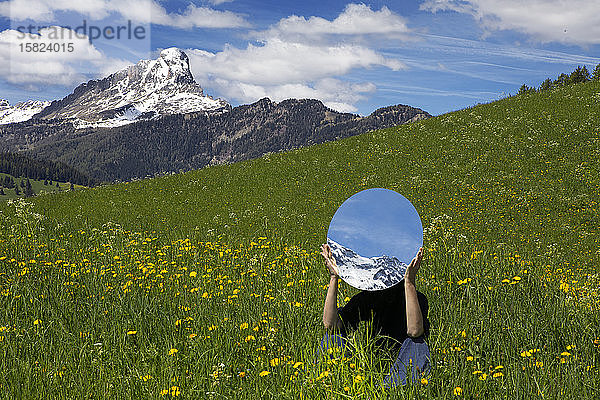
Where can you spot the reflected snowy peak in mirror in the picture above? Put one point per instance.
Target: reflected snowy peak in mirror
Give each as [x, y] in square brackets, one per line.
[373, 237]
[367, 273]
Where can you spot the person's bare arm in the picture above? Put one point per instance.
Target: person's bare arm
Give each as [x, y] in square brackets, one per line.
[414, 317]
[331, 320]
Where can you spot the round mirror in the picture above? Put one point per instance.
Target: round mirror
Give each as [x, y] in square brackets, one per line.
[373, 236]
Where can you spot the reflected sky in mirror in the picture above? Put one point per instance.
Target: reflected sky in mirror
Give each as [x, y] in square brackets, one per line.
[377, 222]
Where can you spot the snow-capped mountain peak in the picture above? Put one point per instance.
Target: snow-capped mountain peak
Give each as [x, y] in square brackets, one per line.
[146, 90]
[366, 273]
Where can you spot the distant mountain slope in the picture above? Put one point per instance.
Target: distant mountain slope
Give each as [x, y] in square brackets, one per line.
[19, 165]
[189, 141]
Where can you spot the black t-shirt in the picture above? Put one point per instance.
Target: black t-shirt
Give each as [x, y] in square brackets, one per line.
[387, 308]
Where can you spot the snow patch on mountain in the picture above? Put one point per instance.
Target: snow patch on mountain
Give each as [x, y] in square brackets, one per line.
[20, 111]
[367, 273]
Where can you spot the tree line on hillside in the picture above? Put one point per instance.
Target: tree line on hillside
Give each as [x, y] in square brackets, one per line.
[579, 75]
[25, 187]
[20, 165]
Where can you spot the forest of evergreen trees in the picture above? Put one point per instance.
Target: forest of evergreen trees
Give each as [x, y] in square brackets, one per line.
[579, 75]
[22, 166]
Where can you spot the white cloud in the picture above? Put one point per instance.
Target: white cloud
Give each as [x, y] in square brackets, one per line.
[334, 93]
[192, 17]
[139, 11]
[280, 70]
[217, 2]
[302, 58]
[34, 69]
[278, 62]
[356, 19]
[571, 22]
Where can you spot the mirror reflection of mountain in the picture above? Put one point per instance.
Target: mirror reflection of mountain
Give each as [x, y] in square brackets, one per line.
[367, 273]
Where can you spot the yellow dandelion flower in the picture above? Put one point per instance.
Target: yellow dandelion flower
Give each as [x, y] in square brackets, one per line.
[264, 373]
[497, 374]
[244, 325]
[424, 381]
[131, 333]
[37, 322]
[249, 338]
[483, 377]
[173, 351]
[457, 391]
[275, 362]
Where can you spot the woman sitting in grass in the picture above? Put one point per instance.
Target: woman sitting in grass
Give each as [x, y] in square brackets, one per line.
[398, 313]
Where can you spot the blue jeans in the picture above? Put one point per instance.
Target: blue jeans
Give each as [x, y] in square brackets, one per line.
[413, 356]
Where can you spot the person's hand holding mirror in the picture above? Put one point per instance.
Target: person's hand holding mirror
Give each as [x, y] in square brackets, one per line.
[413, 268]
[329, 260]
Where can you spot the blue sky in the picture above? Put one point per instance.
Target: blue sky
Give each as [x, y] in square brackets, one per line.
[438, 55]
[375, 222]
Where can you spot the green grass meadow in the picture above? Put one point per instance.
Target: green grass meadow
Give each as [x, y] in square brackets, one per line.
[209, 284]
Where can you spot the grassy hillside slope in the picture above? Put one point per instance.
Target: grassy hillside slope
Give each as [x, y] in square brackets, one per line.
[208, 284]
[520, 170]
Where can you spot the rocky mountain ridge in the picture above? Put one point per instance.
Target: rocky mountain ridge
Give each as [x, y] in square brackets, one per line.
[147, 90]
